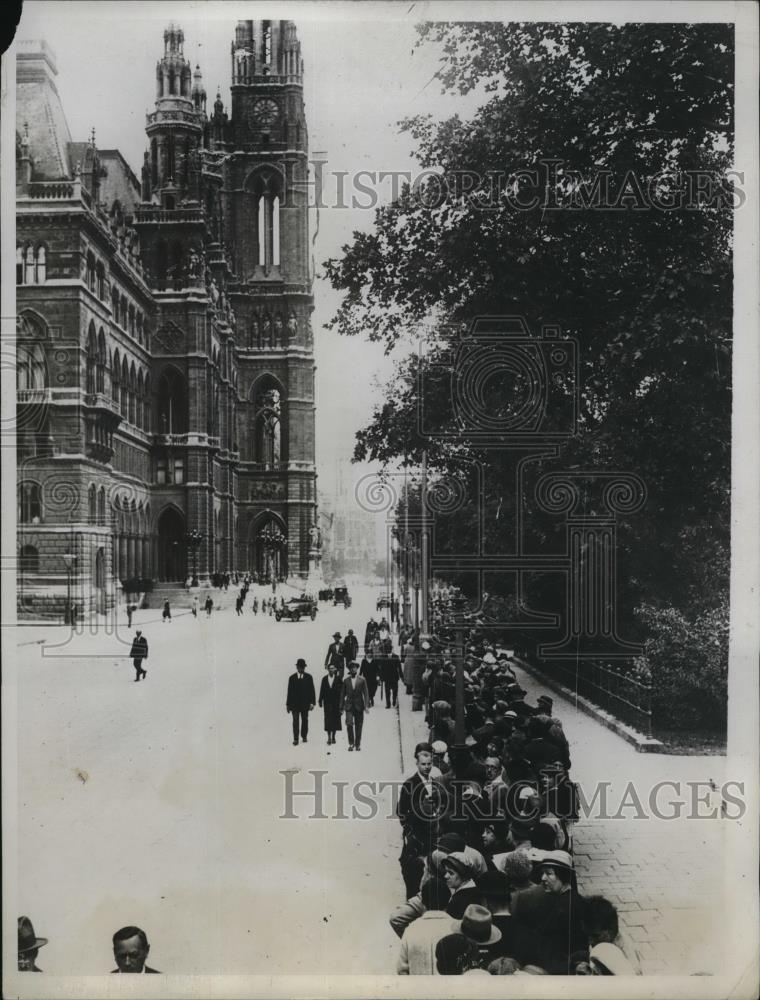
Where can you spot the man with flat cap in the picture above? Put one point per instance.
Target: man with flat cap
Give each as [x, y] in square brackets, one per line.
[130, 949]
[336, 655]
[301, 700]
[28, 946]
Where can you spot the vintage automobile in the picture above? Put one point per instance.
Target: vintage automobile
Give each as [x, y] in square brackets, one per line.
[326, 594]
[383, 601]
[297, 608]
[341, 596]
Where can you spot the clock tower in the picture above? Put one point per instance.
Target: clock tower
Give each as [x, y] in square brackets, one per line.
[265, 221]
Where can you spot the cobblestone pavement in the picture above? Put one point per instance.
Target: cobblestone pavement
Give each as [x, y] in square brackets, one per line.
[666, 877]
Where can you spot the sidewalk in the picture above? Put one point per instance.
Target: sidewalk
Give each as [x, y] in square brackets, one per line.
[664, 877]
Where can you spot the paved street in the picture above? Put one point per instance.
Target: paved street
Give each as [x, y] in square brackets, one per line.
[157, 804]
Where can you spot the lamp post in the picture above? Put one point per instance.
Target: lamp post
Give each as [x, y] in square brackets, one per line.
[70, 560]
[193, 540]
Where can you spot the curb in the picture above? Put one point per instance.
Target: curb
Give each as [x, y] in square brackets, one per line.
[642, 744]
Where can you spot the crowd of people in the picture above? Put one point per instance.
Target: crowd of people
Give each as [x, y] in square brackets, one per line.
[487, 827]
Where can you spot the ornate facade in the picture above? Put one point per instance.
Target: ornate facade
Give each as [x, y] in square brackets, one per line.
[165, 402]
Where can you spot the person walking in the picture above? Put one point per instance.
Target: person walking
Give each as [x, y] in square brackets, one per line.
[350, 646]
[209, 605]
[390, 674]
[139, 652]
[335, 655]
[167, 612]
[239, 605]
[300, 701]
[329, 701]
[354, 701]
[195, 607]
[255, 605]
[130, 612]
[368, 671]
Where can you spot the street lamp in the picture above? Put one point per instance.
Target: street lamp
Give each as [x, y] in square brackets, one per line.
[69, 559]
[193, 540]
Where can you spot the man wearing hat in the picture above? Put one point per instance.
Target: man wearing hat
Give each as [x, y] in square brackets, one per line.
[335, 655]
[139, 652]
[477, 926]
[390, 674]
[28, 946]
[301, 699]
[354, 701]
[350, 646]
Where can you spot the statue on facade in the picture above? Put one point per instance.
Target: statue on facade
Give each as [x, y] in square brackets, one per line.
[292, 328]
[315, 537]
[278, 330]
[309, 334]
[266, 331]
[255, 331]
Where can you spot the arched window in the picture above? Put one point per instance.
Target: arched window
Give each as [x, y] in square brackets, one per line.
[102, 505]
[170, 154]
[116, 379]
[178, 265]
[29, 503]
[124, 389]
[267, 438]
[139, 328]
[267, 186]
[19, 265]
[147, 406]
[153, 163]
[132, 393]
[172, 403]
[101, 281]
[29, 559]
[91, 282]
[123, 312]
[115, 304]
[92, 504]
[29, 269]
[41, 265]
[31, 368]
[132, 320]
[102, 362]
[266, 43]
[92, 360]
[139, 409]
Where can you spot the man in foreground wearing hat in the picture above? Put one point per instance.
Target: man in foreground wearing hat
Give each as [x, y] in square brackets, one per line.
[139, 652]
[130, 949]
[354, 701]
[28, 946]
[301, 699]
[477, 926]
[335, 655]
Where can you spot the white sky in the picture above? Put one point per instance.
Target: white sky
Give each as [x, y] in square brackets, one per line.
[361, 78]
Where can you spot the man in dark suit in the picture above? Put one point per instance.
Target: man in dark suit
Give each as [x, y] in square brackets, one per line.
[336, 655]
[417, 809]
[139, 652]
[350, 646]
[390, 674]
[369, 670]
[301, 699]
[130, 949]
[354, 701]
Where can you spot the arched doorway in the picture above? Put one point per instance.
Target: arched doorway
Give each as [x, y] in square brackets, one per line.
[100, 581]
[172, 553]
[268, 548]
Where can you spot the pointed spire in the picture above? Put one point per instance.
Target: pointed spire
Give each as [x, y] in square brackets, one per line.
[92, 136]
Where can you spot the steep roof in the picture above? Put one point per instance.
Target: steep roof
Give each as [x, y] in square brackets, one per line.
[39, 106]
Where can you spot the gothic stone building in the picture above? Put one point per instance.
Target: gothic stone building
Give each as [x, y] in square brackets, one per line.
[165, 394]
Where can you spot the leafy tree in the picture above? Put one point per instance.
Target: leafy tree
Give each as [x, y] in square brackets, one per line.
[591, 190]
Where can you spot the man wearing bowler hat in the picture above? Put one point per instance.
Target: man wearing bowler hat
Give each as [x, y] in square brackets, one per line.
[28, 946]
[301, 700]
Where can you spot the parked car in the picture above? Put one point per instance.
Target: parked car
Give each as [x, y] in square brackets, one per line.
[297, 608]
[383, 601]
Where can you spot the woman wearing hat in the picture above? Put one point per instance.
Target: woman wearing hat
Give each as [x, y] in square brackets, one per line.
[329, 701]
[457, 874]
[561, 932]
[28, 946]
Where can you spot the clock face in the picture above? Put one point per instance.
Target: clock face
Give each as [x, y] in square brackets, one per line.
[265, 112]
